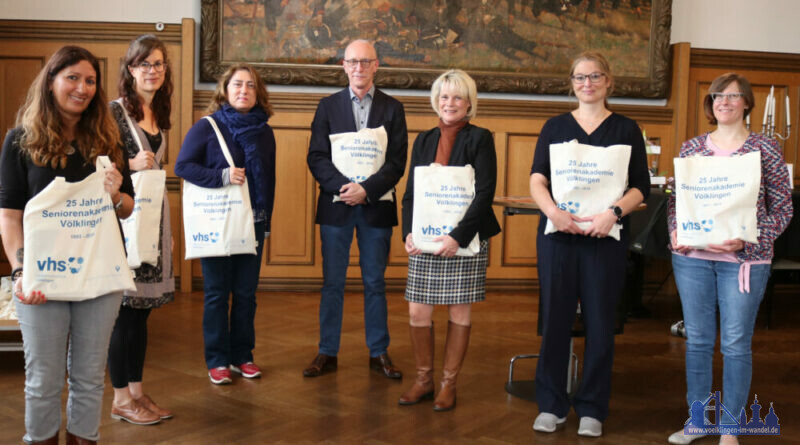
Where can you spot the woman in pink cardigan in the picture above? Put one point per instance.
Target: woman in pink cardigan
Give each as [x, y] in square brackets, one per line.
[731, 275]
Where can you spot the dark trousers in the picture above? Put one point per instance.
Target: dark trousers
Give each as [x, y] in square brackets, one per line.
[373, 249]
[592, 270]
[229, 334]
[127, 348]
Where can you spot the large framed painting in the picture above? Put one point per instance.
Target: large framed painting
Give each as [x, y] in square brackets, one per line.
[513, 46]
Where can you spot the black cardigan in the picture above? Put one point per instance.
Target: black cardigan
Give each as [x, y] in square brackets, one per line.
[473, 146]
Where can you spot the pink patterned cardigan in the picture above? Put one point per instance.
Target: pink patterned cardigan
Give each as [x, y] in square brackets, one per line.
[774, 206]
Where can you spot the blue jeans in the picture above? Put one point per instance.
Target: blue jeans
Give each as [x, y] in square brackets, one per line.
[703, 286]
[61, 335]
[231, 343]
[373, 248]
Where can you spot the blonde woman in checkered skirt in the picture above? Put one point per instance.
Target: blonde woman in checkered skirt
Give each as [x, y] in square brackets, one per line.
[442, 278]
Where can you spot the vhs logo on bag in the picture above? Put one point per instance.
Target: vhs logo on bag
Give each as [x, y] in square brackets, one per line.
[570, 206]
[210, 237]
[705, 225]
[437, 230]
[49, 264]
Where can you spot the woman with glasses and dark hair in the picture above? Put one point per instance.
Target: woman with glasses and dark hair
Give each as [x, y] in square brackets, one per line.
[62, 127]
[142, 116]
[582, 265]
[731, 276]
[240, 108]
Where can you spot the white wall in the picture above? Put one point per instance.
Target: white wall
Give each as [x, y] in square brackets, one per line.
[746, 25]
[752, 25]
[167, 11]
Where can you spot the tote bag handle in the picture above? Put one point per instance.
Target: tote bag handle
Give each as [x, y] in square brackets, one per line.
[221, 140]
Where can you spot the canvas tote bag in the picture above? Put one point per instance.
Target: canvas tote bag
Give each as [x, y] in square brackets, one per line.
[141, 228]
[218, 221]
[360, 154]
[73, 246]
[587, 180]
[442, 195]
[716, 197]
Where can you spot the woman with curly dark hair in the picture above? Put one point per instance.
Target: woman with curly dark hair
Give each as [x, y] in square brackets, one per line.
[142, 115]
[62, 128]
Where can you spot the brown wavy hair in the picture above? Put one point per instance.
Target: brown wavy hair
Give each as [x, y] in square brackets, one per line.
[220, 96]
[42, 137]
[719, 84]
[140, 49]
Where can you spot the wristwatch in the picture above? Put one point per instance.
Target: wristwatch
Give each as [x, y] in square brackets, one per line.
[617, 212]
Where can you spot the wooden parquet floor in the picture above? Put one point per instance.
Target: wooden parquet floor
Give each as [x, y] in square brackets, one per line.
[354, 406]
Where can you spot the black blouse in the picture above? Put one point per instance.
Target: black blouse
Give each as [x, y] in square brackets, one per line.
[473, 146]
[616, 129]
[21, 179]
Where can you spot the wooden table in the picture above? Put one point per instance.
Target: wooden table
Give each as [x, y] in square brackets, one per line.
[10, 325]
[517, 205]
[524, 205]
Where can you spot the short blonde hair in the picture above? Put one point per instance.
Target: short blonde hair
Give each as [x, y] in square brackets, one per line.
[459, 81]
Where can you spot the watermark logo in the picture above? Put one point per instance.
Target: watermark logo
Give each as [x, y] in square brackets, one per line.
[570, 206]
[698, 423]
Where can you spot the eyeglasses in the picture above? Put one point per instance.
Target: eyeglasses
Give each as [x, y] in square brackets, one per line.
[732, 97]
[158, 66]
[365, 63]
[581, 78]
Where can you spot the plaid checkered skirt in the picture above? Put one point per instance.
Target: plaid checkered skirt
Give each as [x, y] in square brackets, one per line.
[457, 280]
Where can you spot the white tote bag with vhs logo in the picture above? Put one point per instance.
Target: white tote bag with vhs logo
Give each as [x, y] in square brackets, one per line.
[360, 154]
[442, 195]
[141, 229]
[73, 246]
[218, 221]
[587, 180]
[716, 197]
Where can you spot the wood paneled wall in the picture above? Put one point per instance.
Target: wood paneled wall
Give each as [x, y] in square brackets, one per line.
[25, 47]
[292, 258]
[763, 71]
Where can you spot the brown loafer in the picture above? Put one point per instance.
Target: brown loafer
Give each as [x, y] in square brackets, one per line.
[322, 364]
[383, 364]
[134, 413]
[75, 440]
[148, 403]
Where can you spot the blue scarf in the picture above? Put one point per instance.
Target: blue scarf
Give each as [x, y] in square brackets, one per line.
[247, 129]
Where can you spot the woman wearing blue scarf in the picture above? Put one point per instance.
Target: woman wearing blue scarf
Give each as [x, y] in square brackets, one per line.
[240, 107]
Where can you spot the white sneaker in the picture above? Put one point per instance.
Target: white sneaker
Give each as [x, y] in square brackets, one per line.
[678, 438]
[547, 423]
[590, 427]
